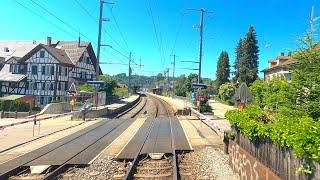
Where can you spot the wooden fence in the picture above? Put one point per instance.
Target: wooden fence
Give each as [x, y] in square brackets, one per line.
[280, 160]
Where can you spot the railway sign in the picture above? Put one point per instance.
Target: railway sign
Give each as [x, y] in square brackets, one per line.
[97, 84]
[197, 86]
[72, 89]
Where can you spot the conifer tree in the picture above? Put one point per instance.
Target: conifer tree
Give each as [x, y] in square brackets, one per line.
[239, 57]
[223, 69]
[249, 64]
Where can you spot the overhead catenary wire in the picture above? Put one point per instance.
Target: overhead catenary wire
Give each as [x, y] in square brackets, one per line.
[96, 21]
[45, 19]
[118, 27]
[61, 29]
[155, 30]
[178, 33]
[65, 23]
[87, 12]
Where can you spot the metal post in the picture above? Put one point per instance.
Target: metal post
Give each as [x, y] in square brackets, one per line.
[174, 69]
[39, 127]
[99, 39]
[129, 74]
[200, 49]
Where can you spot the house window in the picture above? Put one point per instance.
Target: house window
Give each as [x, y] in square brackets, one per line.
[35, 86]
[288, 76]
[41, 99]
[83, 75]
[88, 60]
[59, 70]
[66, 86]
[51, 86]
[41, 54]
[59, 86]
[43, 86]
[43, 70]
[34, 70]
[66, 72]
[52, 70]
[14, 68]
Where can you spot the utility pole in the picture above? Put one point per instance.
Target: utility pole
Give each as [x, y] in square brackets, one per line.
[200, 48]
[202, 11]
[173, 71]
[129, 74]
[99, 39]
[101, 19]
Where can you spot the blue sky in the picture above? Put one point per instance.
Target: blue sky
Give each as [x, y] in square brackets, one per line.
[277, 22]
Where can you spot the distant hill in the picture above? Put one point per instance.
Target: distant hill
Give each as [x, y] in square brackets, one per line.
[143, 81]
[136, 80]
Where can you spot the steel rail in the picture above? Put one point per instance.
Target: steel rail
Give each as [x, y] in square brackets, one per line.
[129, 174]
[58, 170]
[173, 147]
[17, 167]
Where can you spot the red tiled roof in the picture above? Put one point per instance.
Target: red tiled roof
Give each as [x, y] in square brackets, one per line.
[284, 64]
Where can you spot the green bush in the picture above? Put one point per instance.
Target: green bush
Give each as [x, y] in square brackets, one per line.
[302, 134]
[226, 91]
[36, 108]
[1, 105]
[205, 108]
[20, 106]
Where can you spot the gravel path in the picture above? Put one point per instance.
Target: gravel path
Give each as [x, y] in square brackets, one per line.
[207, 163]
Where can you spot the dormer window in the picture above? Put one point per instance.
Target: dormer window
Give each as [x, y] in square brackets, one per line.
[14, 68]
[42, 54]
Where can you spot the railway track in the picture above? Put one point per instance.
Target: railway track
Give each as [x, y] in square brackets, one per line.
[90, 140]
[153, 165]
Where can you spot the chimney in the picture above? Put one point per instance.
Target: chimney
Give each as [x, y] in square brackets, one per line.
[5, 49]
[49, 41]
[282, 54]
[79, 40]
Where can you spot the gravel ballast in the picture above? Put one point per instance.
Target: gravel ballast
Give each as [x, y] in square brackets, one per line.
[103, 167]
[206, 163]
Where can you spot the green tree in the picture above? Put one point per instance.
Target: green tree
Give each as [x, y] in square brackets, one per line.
[85, 87]
[179, 88]
[226, 91]
[239, 57]
[110, 84]
[249, 64]
[223, 69]
[305, 78]
[192, 78]
[258, 89]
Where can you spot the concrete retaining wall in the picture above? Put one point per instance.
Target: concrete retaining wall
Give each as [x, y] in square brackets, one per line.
[105, 111]
[56, 108]
[246, 166]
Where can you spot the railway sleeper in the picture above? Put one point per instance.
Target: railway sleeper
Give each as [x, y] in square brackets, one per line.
[153, 176]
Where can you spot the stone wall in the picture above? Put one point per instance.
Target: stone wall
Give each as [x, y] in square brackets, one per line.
[246, 166]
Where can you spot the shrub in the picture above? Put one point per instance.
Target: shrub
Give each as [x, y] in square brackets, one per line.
[226, 91]
[302, 134]
[20, 106]
[205, 108]
[36, 108]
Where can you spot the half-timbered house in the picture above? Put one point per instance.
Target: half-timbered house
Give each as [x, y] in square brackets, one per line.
[47, 70]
